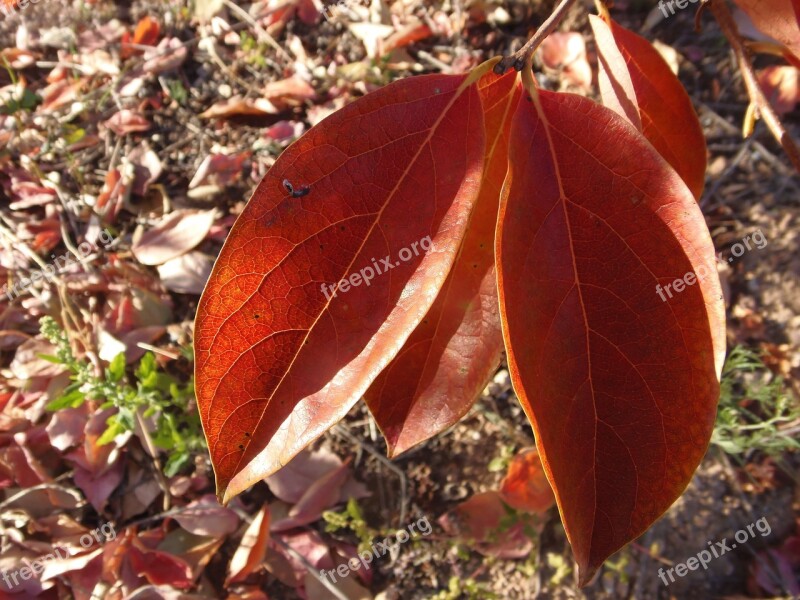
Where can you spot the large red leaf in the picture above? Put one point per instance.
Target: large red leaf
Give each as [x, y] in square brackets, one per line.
[620, 386]
[279, 360]
[447, 361]
[660, 103]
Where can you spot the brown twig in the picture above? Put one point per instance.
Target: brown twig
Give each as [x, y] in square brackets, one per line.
[524, 54]
[151, 449]
[723, 16]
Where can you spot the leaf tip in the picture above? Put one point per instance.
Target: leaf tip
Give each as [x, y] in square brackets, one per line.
[585, 575]
[223, 493]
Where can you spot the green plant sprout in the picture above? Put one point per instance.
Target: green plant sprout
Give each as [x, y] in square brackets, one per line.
[155, 395]
[753, 407]
[351, 518]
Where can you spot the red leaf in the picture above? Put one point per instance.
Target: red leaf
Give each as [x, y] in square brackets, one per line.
[480, 522]
[660, 102]
[146, 34]
[159, 567]
[620, 386]
[447, 361]
[280, 357]
[409, 34]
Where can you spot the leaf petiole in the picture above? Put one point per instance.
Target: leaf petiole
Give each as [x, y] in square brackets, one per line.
[524, 56]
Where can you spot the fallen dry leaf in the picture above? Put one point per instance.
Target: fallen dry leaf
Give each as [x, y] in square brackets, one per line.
[186, 274]
[781, 84]
[566, 51]
[174, 235]
[252, 548]
[127, 121]
[206, 516]
[479, 522]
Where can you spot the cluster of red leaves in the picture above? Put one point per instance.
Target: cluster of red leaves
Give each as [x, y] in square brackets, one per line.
[596, 209]
[279, 361]
[66, 554]
[37, 450]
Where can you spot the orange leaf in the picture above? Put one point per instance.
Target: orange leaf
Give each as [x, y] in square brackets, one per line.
[525, 485]
[252, 549]
[287, 338]
[620, 386]
[781, 85]
[147, 32]
[451, 355]
[657, 99]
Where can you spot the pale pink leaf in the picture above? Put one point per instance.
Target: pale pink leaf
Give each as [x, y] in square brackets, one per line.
[127, 121]
[186, 274]
[206, 516]
[175, 234]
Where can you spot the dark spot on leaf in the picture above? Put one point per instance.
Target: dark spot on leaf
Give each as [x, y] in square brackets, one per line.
[296, 192]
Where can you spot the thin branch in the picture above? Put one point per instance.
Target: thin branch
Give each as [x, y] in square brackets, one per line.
[524, 54]
[723, 16]
[342, 432]
[153, 452]
[262, 34]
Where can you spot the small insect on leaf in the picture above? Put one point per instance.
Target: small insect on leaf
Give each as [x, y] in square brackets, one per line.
[296, 192]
